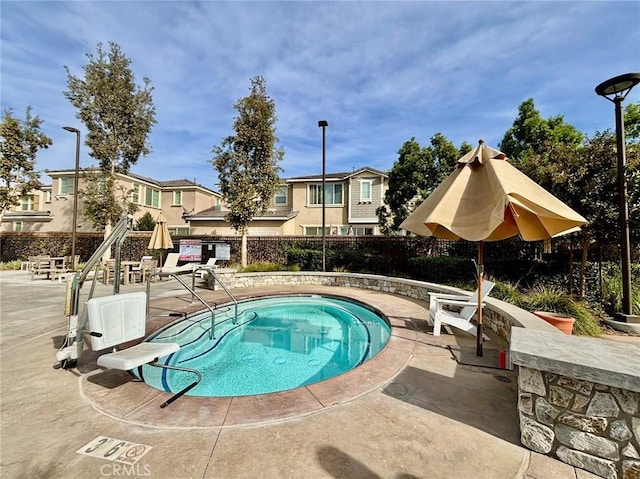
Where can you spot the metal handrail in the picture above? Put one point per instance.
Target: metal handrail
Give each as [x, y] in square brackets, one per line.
[160, 274]
[118, 234]
[215, 277]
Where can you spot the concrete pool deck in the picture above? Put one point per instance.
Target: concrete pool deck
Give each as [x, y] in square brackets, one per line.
[411, 412]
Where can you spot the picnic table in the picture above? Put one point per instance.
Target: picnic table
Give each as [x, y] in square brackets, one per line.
[47, 265]
[129, 270]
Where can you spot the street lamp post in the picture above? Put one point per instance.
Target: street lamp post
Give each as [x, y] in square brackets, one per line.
[323, 124]
[74, 226]
[615, 90]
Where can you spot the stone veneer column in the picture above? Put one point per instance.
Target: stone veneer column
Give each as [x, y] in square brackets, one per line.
[579, 400]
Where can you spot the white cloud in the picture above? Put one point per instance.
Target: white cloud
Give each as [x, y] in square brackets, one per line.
[378, 72]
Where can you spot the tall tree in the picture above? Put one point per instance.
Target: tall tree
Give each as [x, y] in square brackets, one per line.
[580, 171]
[105, 200]
[415, 174]
[446, 155]
[118, 115]
[247, 162]
[411, 177]
[20, 141]
[531, 136]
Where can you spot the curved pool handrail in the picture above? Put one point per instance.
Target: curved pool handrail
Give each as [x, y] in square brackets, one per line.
[193, 294]
[226, 290]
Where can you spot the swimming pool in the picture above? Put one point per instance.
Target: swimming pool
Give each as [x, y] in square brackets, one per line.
[277, 343]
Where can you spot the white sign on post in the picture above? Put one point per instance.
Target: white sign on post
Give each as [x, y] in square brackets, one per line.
[223, 251]
[190, 250]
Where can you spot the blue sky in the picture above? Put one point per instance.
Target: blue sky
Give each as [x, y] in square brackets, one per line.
[378, 72]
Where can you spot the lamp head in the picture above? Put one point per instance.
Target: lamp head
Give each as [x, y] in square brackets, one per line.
[71, 129]
[323, 123]
[619, 86]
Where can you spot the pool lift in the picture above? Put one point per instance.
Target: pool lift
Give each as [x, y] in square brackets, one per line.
[109, 329]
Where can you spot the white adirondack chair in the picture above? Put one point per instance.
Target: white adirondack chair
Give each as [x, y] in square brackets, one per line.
[467, 307]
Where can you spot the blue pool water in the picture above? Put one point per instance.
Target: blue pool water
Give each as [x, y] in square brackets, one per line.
[278, 343]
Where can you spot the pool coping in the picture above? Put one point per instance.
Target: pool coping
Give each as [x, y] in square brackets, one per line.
[120, 396]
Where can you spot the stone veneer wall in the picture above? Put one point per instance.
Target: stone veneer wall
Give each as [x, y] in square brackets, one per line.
[585, 424]
[498, 316]
[579, 400]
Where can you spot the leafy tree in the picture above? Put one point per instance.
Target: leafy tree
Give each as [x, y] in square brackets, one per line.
[632, 122]
[105, 201]
[531, 136]
[247, 162]
[411, 177]
[416, 173]
[446, 155]
[20, 141]
[118, 115]
[145, 223]
[580, 171]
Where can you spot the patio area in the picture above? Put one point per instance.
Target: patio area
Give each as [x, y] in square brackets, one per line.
[411, 412]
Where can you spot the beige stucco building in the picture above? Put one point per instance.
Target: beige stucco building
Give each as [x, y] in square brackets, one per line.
[192, 209]
[51, 208]
[350, 208]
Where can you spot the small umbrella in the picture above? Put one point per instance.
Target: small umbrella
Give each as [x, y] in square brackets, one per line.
[488, 199]
[160, 238]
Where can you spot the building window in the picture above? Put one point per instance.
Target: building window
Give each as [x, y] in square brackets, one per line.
[281, 196]
[27, 203]
[363, 230]
[47, 196]
[66, 186]
[333, 194]
[315, 231]
[179, 231]
[152, 197]
[365, 191]
[177, 198]
[17, 226]
[135, 194]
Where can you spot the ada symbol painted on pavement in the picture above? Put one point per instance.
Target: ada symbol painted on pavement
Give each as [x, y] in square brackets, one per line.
[114, 450]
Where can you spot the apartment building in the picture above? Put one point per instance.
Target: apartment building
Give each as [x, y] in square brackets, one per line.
[51, 208]
[192, 209]
[351, 202]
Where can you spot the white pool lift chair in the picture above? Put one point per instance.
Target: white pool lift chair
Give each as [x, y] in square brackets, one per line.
[467, 305]
[119, 319]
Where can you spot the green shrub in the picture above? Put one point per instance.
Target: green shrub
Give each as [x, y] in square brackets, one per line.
[612, 289]
[307, 259]
[554, 300]
[507, 292]
[10, 265]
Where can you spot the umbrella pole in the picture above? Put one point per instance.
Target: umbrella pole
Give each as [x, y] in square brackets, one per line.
[480, 272]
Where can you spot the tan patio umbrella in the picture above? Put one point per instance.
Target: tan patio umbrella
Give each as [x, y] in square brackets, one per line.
[488, 199]
[160, 238]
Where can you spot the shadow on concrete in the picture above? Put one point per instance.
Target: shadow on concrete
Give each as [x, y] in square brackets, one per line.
[58, 341]
[112, 378]
[483, 399]
[340, 465]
